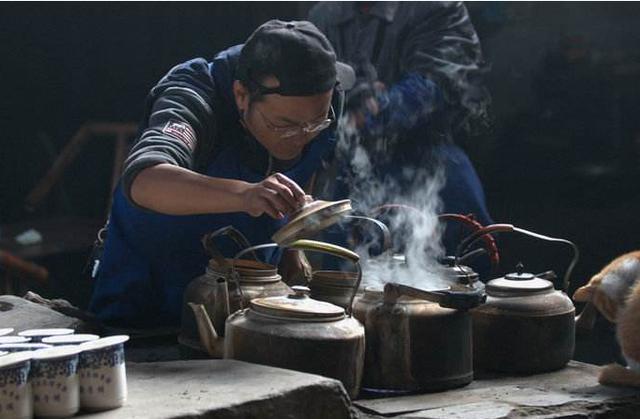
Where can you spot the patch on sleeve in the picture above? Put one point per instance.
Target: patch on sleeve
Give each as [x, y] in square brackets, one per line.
[182, 131]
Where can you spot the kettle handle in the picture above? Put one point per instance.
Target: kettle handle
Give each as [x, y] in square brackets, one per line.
[386, 234]
[233, 234]
[474, 226]
[335, 250]
[312, 245]
[510, 228]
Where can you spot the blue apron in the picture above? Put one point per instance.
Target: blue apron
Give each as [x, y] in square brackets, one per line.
[149, 258]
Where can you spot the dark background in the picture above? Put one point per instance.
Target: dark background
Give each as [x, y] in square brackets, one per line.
[561, 157]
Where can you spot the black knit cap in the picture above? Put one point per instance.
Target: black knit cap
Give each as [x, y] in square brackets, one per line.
[297, 54]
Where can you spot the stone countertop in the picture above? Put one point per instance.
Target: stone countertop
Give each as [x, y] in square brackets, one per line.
[572, 392]
[225, 389]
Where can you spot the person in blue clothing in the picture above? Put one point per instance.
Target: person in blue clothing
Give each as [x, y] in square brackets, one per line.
[231, 141]
[419, 89]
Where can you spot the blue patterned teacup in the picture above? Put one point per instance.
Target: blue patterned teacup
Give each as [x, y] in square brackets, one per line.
[54, 378]
[103, 380]
[15, 389]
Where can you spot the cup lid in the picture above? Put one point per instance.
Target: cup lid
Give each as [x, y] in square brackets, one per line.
[104, 342]
[45, 332]
[14, 339]
[70, 339]
[297, 306]
[310, 219]
[6, 331]
[12, 359]
[56, 352]
[16, 347]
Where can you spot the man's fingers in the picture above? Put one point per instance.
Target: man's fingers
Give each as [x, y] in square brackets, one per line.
[284, 192]
[277, 202]
[295, 189]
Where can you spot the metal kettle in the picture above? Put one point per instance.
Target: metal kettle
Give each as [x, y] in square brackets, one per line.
[526, 325]
[226, 286]
[295, 331]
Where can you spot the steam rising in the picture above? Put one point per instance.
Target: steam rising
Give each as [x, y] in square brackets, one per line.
[416, 231]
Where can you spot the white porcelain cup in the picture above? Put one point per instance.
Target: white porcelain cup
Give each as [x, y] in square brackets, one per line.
[7, 340]
[103, 378]
[6, 331]
[15, 388]
[70, 339]
[54, 379]
[20, 347]
[36, 335]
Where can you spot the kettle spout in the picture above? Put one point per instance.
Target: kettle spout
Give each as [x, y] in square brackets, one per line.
[209, 338]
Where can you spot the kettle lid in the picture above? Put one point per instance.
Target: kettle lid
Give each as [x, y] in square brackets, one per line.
[297, 306]
[517, 284]
[312, 218]
[461, 273]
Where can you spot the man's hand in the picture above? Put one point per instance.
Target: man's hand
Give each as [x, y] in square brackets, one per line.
[363, 102]
[276, 196]
[295, 268]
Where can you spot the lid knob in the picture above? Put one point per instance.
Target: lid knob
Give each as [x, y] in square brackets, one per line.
[300, 291]
[520, 274]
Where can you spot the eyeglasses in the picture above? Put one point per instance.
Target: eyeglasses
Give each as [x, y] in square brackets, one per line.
[294, 130]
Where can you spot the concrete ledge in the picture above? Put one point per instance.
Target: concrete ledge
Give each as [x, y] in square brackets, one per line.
[572, 392]
[227, 389]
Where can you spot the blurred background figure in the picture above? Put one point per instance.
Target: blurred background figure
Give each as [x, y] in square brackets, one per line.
[419, 94]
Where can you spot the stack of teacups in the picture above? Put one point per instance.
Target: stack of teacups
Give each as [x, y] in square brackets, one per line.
[80, 372]
[62, 375]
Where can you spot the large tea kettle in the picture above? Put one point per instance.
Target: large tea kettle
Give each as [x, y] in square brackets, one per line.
[525, 326]
[294, 331]
[417, 340]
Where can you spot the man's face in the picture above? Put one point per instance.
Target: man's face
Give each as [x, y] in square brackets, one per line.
[281, 123]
